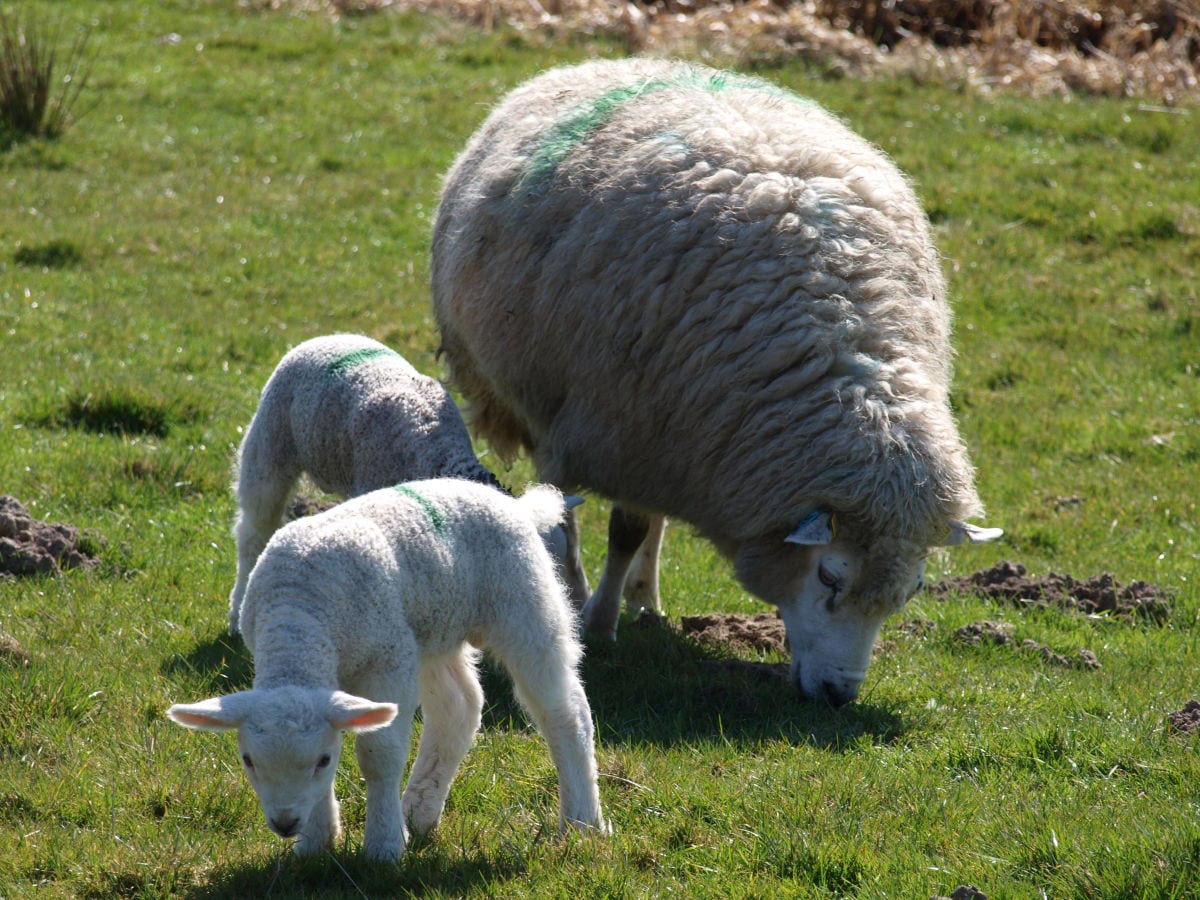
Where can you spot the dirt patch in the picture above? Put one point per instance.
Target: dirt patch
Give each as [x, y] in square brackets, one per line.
[1010, 582]
[1186, 720]
[965, 892]
[303, 505]
[762, 631]
[1000, 634]
[31, 547]
[11, 651]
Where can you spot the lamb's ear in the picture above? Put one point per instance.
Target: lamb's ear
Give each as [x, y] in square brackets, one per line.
[965, 533]
[213, 714]
[350, 713]
[570, 501]
[814, 530]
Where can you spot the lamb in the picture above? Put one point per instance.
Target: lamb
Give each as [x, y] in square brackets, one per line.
[355, 416]
[705, 297]
[382, 597]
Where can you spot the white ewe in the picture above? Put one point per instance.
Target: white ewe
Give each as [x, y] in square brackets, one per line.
[355, 416]
[705, 297]
[384, 596]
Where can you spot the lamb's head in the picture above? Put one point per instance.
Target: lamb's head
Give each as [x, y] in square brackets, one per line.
[289, 739]
[834, 591]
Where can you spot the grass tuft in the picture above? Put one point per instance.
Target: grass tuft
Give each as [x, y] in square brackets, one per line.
[38, 88]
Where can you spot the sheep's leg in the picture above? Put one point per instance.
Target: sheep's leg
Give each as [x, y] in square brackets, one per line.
[550, 691]
[626, 532]
[452, 708]
[381, 758]
[641, 582]
[264, 484]
[572, 563]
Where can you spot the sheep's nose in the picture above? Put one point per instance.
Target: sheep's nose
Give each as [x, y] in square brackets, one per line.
[284, 826]
[837, 695]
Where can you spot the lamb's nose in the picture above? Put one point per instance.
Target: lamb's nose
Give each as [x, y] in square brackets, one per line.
[284, 826]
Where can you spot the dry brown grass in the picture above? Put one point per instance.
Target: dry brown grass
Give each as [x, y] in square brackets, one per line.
[1142, 48]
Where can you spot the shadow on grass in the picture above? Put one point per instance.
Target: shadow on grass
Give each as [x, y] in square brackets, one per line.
[220, 665]
[350, 874]
[653, 685]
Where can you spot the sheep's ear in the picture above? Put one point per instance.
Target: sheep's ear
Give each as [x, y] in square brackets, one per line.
[814, 530]
[350, 713]
[964, 533]
[213, 714]
[570, 501]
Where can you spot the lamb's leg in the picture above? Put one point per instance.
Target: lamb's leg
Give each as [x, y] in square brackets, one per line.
[264, 483]
[641, 582]
[324, 826]
[626, 532]
[381, 758]
[452, 708]
[549, 688]
[571, 565]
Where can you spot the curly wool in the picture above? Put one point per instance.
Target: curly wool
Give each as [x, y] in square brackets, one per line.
[699, 294]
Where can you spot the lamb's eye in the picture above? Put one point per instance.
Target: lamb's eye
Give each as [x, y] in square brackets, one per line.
[247, 761]
[323, 761]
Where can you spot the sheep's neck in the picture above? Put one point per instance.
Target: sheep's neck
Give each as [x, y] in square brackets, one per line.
[295, 651]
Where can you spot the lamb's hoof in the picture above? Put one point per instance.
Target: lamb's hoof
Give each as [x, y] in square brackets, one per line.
[384, 852]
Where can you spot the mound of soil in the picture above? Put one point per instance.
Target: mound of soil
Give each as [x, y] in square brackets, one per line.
[762, 631]
[31, 547]
[11, 651]
[1186, 720]
[999, 633]
[1010, 582]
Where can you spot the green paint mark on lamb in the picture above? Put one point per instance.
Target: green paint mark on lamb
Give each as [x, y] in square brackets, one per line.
[437, 519]
[347, 361]
[597, 112]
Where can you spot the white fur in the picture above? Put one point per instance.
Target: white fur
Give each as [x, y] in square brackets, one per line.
[355, 416]
[706, 298]
[385, 596]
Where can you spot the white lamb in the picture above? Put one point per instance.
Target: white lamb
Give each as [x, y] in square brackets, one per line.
[383, 597]
[355, 416]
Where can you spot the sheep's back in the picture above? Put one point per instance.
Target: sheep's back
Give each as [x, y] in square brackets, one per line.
[661, 276]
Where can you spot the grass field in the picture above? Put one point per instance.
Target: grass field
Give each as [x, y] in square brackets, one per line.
[243, 181]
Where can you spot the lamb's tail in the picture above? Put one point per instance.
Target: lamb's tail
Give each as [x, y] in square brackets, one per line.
[545, 505]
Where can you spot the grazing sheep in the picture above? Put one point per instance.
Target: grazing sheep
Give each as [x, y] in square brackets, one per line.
[704, 297]
[355, 416]
[383, 596]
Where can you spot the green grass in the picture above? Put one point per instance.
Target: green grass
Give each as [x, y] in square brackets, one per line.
[269, 177]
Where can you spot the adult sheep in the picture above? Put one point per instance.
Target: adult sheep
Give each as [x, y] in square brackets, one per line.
[705, 297]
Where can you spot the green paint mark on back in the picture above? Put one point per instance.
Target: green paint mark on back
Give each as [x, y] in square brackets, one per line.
[339, 365]
[597, 112]
[437, 520]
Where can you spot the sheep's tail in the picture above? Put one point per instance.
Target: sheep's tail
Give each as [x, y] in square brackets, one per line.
[545, 505]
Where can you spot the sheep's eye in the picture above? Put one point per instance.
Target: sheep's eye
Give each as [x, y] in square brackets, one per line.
[323, 761]
[247, 761]
[830, 581]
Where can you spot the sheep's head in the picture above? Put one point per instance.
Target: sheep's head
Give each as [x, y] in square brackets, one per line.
[289, 739]
[834, 592]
